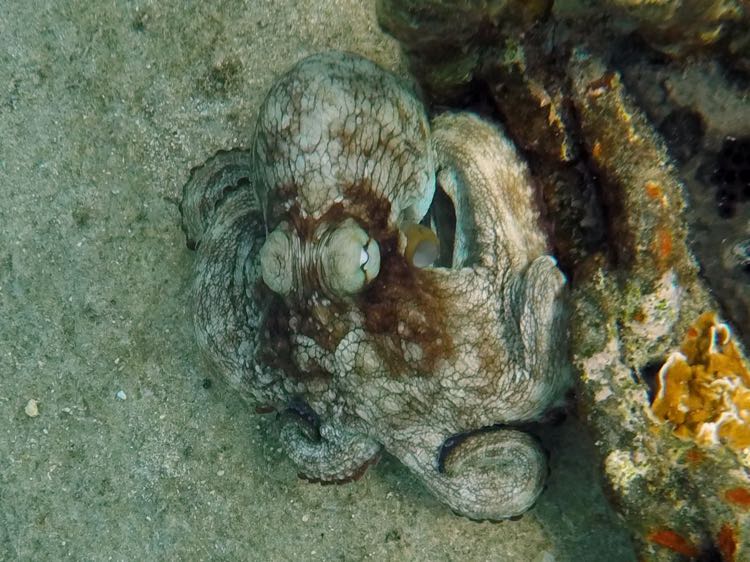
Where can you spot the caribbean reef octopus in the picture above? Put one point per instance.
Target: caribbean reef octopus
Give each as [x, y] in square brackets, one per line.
[381, 281]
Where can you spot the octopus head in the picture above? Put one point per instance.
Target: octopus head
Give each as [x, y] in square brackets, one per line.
[341, 260]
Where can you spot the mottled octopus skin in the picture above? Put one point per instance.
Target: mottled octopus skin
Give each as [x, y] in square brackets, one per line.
[436, 365]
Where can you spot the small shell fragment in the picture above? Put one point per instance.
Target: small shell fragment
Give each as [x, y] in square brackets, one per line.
[32, 408]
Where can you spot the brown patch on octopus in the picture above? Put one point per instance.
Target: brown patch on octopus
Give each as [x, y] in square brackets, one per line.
[275, 347]
[402, 305]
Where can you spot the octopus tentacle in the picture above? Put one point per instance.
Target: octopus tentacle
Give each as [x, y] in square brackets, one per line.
[327, 453]
[490, 187]
[493, 473]
[208, 186]
[222, 214]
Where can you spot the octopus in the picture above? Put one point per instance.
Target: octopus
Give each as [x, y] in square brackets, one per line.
[381, 281]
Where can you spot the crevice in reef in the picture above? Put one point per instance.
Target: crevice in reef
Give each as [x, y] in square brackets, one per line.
[441, 217]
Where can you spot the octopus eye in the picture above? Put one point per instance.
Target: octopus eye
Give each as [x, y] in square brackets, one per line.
[351, 259]
[369, 260]
[276, 261]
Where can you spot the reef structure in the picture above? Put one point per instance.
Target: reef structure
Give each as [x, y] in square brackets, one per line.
[616, 210]
[680, 499]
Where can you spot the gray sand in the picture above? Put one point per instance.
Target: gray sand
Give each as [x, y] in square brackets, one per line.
[104, 108]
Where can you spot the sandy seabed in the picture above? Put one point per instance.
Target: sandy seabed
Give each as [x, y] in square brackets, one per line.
[136, 452]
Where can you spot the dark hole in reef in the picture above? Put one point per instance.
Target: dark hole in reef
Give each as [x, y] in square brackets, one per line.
[710, 554]
[647, 375]
[731, 175]
[683, 130]
[442, 217]
[632, 50]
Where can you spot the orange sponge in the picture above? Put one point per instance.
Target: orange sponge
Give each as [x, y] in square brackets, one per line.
[704, 389]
